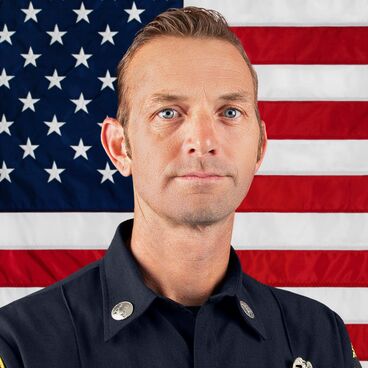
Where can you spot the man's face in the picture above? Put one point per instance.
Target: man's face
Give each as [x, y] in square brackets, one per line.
[192, 110]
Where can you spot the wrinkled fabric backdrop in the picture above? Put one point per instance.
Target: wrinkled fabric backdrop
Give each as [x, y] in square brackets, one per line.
[302, 226]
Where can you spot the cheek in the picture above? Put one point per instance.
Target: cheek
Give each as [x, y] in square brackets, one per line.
[149, 161]
[244, 151]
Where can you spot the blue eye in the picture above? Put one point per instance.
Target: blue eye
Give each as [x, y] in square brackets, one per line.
[232, 112]
[167, 113]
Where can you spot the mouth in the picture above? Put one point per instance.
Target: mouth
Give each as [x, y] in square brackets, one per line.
[203, 178]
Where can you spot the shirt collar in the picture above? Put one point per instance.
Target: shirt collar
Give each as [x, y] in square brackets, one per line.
[121, 280]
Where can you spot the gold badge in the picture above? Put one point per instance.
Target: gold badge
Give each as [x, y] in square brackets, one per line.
[354, 354]
[2, 364]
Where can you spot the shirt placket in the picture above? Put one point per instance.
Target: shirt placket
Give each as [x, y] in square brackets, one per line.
[204, 344]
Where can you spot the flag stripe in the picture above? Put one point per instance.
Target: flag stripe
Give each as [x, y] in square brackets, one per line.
[274, 193]
[321, 45]
[315, 157]
[306, 268]
[352, 310]
[300, 82]
[296, 268]
[315, 119]
[288, 12]
[359, 336]
[309, 231]
[10, 294]
[43, 267]
[89, 230]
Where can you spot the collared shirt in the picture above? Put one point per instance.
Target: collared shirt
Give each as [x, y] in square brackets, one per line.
[105, 316]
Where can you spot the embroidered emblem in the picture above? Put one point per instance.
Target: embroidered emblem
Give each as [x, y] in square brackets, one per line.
[354, 354]
[300, 363]
[2, 364]
[356, 363]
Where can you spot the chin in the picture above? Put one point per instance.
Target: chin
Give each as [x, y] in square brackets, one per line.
[204, 217]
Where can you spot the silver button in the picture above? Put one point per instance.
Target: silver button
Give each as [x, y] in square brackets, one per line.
[122, 310]
[247, 309]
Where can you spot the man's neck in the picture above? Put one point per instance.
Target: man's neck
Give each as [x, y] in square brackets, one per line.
[180, 263]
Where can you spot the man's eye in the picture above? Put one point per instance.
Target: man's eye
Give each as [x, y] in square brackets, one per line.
[231, 112]
[167, 113]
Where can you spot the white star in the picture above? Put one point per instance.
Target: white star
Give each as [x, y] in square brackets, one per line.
[56, 35]
[81, 103]
[5, 35]
[4, 172]
[28, 148]
[31, 13]
[100, 124]
[4, 79]
[82, 13]
[28, 102]
[30, 58]
[107, 173]
[134, 13]
[82, 58]
[54, 125]
[55, 80]
[107, 36]
[81, 150]
[4, 125]
[54, 173]
[107, 81]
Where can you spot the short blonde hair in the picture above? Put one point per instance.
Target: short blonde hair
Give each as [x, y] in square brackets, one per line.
[189, 21]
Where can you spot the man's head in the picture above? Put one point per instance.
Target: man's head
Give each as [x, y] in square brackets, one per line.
[184, 72]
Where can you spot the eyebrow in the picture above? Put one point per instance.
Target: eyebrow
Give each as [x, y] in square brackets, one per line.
[156, 98]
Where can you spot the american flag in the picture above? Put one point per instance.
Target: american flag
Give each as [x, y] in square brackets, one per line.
[303, 225]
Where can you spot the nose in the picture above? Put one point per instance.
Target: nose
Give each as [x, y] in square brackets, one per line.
[201, 136]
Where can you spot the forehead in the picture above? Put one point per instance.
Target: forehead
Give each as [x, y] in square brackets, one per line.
[187, 66]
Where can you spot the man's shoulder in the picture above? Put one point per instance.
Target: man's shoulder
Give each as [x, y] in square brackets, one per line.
[292, 303]
[39, 327]
[47, 308]
[308, 322]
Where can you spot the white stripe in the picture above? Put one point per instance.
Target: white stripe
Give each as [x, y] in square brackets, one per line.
[59, 230]
[313, 82]
[252, 230]
[349, 303]
[10, 294]
[315, 157]
[364, 363]
[346, 231]
[288, 12]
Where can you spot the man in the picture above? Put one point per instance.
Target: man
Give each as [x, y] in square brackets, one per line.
[170, 291]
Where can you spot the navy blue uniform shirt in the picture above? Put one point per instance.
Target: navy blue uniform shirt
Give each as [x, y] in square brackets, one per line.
[105, 316]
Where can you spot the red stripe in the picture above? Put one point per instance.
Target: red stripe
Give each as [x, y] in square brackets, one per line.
[307, 268]
[40, 268]
[359, 338]
[305, 45]
[315, 119]
[293, 268]
[278, 193]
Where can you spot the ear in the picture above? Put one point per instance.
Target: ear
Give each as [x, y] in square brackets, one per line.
[262, 148]
[113, 141]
